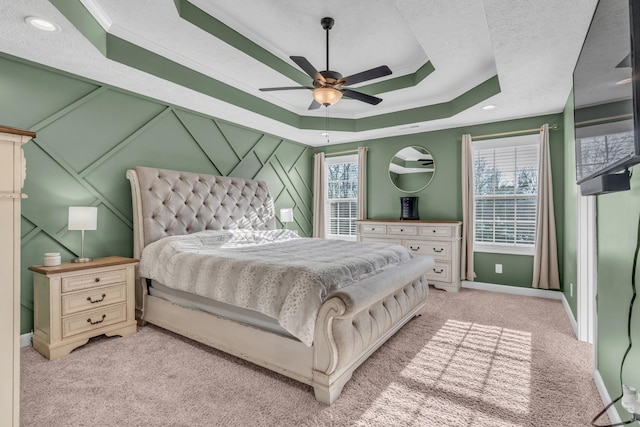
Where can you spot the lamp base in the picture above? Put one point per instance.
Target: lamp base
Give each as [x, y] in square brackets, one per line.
[82, 259]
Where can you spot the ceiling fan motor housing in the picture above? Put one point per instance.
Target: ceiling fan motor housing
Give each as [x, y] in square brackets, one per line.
[331, 78]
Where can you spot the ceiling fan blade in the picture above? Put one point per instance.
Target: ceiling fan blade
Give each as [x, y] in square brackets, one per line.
[371, 74]
[306, 66]
[361, 96]
[269, 89]
[314, 105]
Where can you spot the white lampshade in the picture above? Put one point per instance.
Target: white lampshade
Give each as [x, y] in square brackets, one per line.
[286, 215]
[83, 218]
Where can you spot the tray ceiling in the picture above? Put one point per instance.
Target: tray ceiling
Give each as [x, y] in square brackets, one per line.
[449, 58]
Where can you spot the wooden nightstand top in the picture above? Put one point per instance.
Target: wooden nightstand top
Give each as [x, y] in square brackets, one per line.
[66, 267]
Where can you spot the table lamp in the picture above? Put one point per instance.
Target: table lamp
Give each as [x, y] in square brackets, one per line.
[286, 216]
[82, 218]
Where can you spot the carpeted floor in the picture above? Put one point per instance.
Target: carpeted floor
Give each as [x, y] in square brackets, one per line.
[472, 359]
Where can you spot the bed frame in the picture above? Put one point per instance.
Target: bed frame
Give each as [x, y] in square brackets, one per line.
[351, 324]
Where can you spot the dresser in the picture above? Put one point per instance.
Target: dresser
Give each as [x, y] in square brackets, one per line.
[12, 174]
[438, 239]
[77, 301]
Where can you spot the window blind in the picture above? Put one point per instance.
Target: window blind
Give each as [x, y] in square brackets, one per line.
[505, 191]
[341, 197]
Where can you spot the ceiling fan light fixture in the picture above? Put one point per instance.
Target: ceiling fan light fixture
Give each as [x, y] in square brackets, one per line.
[326, 95]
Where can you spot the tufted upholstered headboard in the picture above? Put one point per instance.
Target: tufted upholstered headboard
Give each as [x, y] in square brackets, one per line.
[169, 203]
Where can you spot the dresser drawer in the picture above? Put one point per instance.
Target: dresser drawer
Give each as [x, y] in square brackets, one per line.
[438, 250]
[94, 319]
[100, 278]
[93, 298]
[402, 230]
[373, 229]
[381, 240]
[441, 272]
[435, 231]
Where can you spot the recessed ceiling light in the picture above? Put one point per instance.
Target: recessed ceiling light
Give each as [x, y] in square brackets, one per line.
[41, 24]
[624, 81]
[489, 107]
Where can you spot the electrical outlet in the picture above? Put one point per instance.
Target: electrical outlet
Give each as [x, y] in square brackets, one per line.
[571, 290]
[499, 268]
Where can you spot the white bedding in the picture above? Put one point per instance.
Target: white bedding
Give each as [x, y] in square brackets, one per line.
[271, 271]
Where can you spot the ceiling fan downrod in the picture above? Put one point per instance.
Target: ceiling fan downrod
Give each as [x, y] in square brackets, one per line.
[327, 24]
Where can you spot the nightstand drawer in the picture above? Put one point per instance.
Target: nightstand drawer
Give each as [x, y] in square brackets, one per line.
[94, 319]
[100, 278]
[93, 298]
[441, 250]
[440, 273]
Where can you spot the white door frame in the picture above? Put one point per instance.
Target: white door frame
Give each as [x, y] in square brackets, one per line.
[587, 269]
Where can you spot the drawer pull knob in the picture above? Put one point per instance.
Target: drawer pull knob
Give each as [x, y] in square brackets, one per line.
[414, 249]
[438, 271]
[438, 250]
[97, 279]
[97, 321]
[373, 229]
[433, 231]
[401, 230]
[98, 300]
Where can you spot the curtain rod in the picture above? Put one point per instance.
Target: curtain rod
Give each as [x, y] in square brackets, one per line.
[515, 132]
[338, 153]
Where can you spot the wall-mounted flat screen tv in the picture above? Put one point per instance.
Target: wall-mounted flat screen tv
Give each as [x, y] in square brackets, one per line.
[606, 98]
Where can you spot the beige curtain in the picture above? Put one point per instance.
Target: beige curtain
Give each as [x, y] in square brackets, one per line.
[466, 264]
[318, 196]
[362, 183]
[545, 260]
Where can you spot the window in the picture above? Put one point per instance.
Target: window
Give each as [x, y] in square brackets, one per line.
[505, 174]
[341, 197]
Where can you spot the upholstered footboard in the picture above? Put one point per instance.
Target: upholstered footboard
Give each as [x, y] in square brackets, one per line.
[358, 319]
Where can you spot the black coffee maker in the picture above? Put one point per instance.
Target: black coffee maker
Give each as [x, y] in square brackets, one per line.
[409, 208]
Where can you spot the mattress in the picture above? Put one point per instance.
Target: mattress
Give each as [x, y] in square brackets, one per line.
[238, 314]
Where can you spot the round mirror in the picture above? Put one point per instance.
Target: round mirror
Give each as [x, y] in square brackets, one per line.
[411, 169]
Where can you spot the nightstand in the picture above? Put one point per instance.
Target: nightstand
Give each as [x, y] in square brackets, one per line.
[77, 301]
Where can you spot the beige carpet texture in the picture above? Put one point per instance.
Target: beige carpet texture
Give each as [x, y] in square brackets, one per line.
[474, 358]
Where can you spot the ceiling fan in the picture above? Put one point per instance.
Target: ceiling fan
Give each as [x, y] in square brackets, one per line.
[329, 86]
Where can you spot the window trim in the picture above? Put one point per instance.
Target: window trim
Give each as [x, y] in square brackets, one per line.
[504, 248]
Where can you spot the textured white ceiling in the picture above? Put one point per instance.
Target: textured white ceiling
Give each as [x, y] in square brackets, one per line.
[531, 45]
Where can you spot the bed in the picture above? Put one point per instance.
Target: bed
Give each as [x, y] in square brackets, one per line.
[347, 324]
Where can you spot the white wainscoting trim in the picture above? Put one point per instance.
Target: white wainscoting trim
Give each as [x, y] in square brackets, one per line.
[612, 412]
[25, 339]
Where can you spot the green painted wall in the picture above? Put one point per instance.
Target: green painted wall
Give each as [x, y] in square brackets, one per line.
[617, 226]
[89, 134]
[441, 200]
[570, 256]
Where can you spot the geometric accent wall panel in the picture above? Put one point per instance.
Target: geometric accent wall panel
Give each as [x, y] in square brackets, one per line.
[89, 134]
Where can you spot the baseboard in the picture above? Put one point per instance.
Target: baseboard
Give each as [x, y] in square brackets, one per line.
[25, 339]
[516, 290]
[572, 319]
[612, 412]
